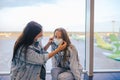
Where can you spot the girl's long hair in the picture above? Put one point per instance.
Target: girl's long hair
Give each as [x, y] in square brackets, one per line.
[65, 37]
[31, 30]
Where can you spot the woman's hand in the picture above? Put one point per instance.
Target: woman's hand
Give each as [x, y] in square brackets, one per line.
[62, 46]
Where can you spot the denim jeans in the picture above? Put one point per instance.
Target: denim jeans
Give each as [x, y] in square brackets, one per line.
[61, 74]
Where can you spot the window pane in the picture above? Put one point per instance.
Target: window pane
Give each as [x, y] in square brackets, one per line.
[51, 14]
[107, 35]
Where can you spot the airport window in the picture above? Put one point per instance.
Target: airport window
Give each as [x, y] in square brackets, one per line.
[51, 14]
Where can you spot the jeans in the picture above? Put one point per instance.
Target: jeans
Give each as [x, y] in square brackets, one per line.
[61, 74]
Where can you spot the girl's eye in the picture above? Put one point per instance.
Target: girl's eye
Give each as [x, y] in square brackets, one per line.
[58, 37]
[55, 36]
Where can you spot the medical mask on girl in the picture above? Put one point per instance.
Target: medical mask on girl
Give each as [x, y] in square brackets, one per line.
[58, 41]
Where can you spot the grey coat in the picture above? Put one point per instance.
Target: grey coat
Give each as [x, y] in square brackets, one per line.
[29, 68]
[72, 64]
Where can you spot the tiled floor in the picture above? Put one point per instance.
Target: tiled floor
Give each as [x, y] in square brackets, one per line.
[104, 76]
[107, 76]
[7, 77]
[97, 76]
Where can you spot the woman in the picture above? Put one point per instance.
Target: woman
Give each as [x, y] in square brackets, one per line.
[66, 64]
[29, 57]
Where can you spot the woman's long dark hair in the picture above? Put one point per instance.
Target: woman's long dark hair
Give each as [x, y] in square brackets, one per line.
[31, 30]
[65, 37]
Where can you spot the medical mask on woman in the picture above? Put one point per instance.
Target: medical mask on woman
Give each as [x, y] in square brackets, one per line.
[39, 42]
[39, 39]
[58, 41]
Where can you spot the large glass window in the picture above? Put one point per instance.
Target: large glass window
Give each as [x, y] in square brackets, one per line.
[51, 14]
[107, 35]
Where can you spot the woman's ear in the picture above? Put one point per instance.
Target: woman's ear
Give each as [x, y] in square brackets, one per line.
[35, 39]
[39, 35]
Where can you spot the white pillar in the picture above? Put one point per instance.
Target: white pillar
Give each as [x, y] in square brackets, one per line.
[89, 24]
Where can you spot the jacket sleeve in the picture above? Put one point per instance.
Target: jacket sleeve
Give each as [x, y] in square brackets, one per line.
[36, 58]
[74, 63]
[54, 62]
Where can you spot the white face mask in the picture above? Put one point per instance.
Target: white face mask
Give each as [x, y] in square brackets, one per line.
[58, 41]
[39, 39]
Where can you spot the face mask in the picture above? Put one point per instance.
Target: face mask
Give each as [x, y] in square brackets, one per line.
[58, 41]
[39, 39]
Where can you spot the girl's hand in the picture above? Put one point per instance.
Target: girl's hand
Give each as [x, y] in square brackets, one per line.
[50, 40]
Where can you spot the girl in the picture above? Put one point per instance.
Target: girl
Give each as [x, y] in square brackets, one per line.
[29, 57]
[66, 64]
